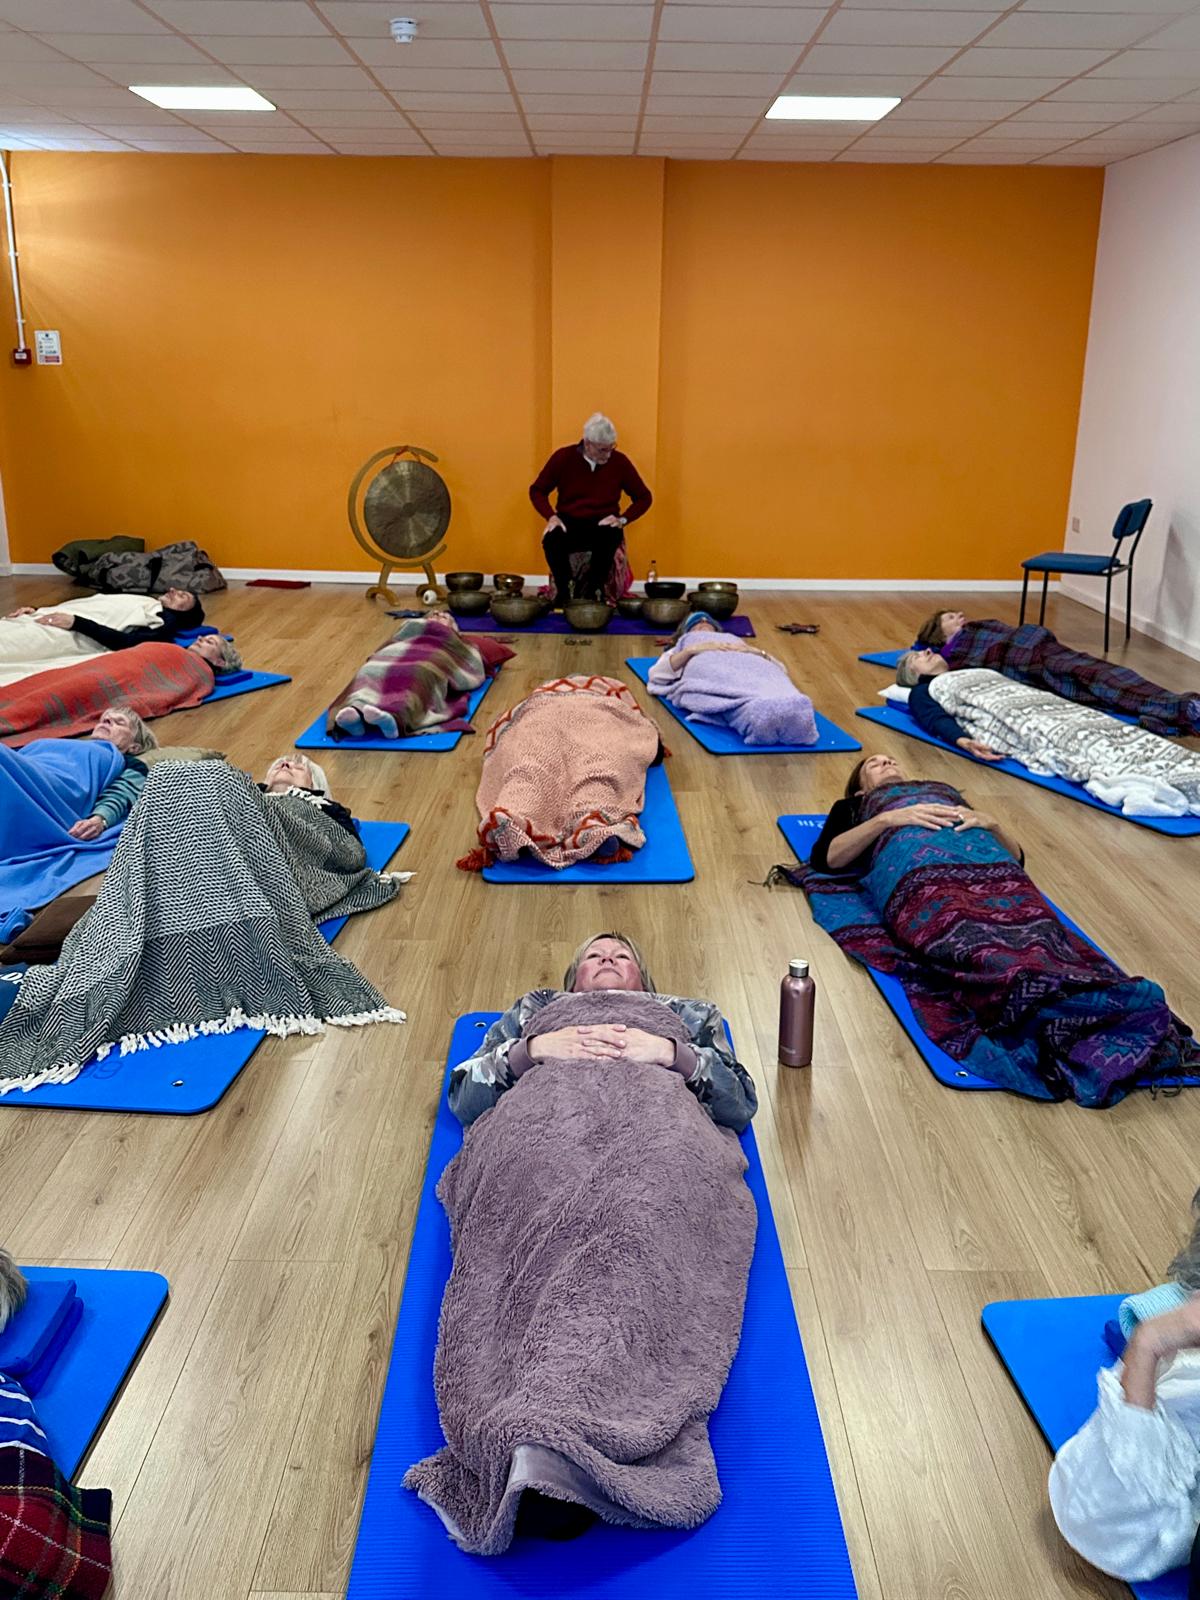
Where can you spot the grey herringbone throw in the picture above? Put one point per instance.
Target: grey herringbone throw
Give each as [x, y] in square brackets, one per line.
[200, 927]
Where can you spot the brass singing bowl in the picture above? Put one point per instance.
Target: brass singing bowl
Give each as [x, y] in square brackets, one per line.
[508, 582]
[588, 616]
[515, 610]
[468, 602]
[665, 613]
[464, 582]
[630, 605]
[715, 603]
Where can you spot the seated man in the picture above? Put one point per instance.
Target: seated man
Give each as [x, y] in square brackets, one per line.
[590, 478]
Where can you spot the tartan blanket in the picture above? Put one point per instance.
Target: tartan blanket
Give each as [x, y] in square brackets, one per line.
[994, 977]
[201, 926]
[151, 678]
[420, 679]
[1033, 655]
[55, 1541]
[564, 775]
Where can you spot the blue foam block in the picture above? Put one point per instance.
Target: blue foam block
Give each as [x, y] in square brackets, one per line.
[182, 1079]
[315, 736]
[725, 742]
[119, 1310]
[241, 685]
[903, 722]
[664, 858]
[884, 658]
[801, 833]
[1053, 1350]
[777, 1532]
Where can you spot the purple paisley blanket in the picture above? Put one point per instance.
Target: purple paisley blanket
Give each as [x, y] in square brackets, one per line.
[725, 682]
[602, 1234]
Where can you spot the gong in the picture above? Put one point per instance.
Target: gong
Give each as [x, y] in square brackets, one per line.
[399, 515]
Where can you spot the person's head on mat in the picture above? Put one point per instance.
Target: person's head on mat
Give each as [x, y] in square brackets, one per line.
[917, 664]
[122, 727]
[696, 621]
[940, 628]
[218, 652]
[181, 609]
[295, 772]
[871, 772]
[599, 437]
[607, 961]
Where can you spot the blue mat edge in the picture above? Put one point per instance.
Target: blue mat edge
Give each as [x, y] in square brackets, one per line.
[314, 737]
[704, 733]
[382, 1484]
[258, 680]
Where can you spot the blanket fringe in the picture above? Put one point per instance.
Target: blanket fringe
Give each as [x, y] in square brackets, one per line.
[181, 1032]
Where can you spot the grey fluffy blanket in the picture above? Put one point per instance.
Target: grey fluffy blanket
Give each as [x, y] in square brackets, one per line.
[602, 1235]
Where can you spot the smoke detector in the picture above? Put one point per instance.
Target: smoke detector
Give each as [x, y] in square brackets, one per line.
[404, 29]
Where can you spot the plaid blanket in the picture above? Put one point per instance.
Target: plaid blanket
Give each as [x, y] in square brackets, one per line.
[201, 926]
[420, 679]
[54, 1539]
[1034, 656]
[152, 678]
[994, 977]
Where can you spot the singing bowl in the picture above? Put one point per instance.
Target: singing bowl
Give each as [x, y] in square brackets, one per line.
[630, 605]
[515, 610]
[468, 602]
[661, 590]
[665, 613]
[463, 582]
[717, 586]
[713, 603]
[508, 582]
[588, 616]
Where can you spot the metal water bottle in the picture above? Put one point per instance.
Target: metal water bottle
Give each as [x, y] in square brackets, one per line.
[797, 1001]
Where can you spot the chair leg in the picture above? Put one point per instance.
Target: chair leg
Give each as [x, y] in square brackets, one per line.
[1024, 594]
[1107, 608]
[1128, 599]
[1042, 612]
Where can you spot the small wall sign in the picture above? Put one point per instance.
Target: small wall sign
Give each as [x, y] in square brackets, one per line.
[48, 345]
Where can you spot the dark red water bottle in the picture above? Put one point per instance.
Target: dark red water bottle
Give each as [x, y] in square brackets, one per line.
[797, 1002]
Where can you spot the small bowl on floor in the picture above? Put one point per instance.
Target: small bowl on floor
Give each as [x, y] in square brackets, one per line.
[464, 582]
[468, 602]
[515, 610]
[665, 613]
[508, 583]
[662, 590]
[630, 606]
[588, 616]
[716, 605]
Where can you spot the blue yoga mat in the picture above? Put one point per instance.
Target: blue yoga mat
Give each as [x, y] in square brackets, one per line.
[315, 737]
[899, 721]
[664, 858]
[1053, 1350]
[119, 1310]
[239, 683]
[777, 1533]
[724, 742]
[182, 1079]
[884, 658]
[801, 833]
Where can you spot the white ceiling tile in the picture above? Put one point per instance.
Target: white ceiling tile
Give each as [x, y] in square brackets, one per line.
[812, 158]
[807, 82]
[581, 102]
[443, 100]
[430, 53]
[409, 139]
[1115, 91]
[135, 130]
[1029, 147]
[300, 50]
[751, 24]
[364, 99]
[566, 80]
[97, 95]
[313, 117]
[778, 59]
[862, 156]
[951, 128]
[31, 76]
[1046, 132]
[984, 62]
[438, 20]
[582, 139]
[690, 141]
[285, 150]
[201, 71]
[927, 5]
[278, 131]
[1073, 156]
[760, 86]
[244, 142]
[98, 49]
[266, 17]
[23, 47]
[1152, 8]
[265, 78]
[502, 138]
[947, 88]
[981, 158]
[1181, 35]
[78, 16]
[923, 107]
[915, 147]
[548, 148]
[1180, 115]
[1069, 29]
[1153, 64]
[1082, 111]
[471, 151]
[572, 54]
[583, 21]
[663, 124]
[909, 60]
[461, 119]
[181, 143]
[599, 121]
[896, 27]
[455, 79]
[371, 150]
[85, 142]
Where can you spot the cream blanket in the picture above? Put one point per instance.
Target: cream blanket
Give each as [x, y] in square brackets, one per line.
[27, 647]
[1122, 765]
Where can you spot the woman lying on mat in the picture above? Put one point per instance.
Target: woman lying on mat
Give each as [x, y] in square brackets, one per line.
[990, 716]
[564, 776]
[1125, 1490]
[911, 881]
[101, 791]
[711, 676]
[602, 1234]
[303, 779]
[1032, 655]
[185, 942]
[30, 644]
[181, 612]
[419, 681]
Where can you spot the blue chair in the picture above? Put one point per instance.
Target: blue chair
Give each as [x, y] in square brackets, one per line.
[1130, 524]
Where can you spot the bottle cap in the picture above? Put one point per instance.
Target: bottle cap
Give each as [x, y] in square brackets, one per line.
[798, 969]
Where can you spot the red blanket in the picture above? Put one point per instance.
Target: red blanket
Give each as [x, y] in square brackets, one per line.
[152, 678]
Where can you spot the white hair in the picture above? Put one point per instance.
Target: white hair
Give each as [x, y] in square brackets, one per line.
[598, 429]
[12, 1288]
[143, 738]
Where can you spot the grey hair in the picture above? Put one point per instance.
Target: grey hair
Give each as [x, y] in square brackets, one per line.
[13, 1288]
[634, 949]
[143, 738]
[231, 656]
[1185, 1269]
[907, 675]
[599, 429]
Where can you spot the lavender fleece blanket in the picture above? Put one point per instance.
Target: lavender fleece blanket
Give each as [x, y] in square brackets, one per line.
[738, 688]
[602, 1234]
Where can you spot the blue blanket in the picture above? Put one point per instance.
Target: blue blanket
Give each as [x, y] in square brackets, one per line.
[45, 787]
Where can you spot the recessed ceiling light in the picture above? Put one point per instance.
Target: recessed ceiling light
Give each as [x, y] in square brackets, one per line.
[832, 108]
[175, 97]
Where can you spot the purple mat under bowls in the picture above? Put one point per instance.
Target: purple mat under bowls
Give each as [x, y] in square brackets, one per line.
[555, 622]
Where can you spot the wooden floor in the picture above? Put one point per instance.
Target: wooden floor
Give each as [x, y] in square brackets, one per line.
[238, 1451]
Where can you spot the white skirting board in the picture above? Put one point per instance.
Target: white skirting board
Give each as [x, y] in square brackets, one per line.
[1093, 597]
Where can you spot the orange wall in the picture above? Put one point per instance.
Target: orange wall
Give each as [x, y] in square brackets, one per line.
[829, 371]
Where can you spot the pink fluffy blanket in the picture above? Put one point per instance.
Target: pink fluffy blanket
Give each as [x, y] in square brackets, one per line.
[719, 679]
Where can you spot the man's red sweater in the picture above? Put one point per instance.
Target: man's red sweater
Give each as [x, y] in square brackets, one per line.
[589, 492]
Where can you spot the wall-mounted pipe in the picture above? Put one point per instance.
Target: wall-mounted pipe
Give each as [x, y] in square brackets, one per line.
[12, 249]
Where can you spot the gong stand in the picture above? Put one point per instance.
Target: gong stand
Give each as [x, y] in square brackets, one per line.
[404, 514]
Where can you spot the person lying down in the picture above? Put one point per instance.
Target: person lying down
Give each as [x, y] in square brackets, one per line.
[204, 924]
[910, 880]
[602, 1234]
[40, 638]
[711, 676]
[564, 776]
